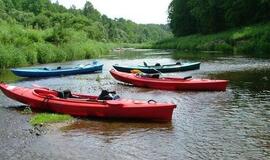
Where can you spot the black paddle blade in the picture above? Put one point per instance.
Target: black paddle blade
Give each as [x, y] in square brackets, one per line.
[188, 77]
[145, 64]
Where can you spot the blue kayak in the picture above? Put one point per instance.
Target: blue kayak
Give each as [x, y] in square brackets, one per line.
[59, 71]
[166, 68]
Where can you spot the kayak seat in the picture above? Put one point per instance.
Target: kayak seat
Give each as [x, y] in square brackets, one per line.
[178, 63]
[106, 95]
[59, 68]
[65, 94]
[157, 64]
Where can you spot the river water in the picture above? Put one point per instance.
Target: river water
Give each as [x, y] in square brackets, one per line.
[206, 125]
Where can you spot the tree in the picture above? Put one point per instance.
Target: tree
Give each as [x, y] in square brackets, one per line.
[58, 36]
[209, 15]
[181, 21]
[90, 11]
[41, 21]
[2, 6]
[243, 12]
[36, 6]
[8, 4]
[24, 18]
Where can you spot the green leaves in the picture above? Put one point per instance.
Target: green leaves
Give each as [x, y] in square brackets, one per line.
[211, 16]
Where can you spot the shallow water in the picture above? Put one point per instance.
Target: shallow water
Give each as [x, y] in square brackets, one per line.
[206, 125]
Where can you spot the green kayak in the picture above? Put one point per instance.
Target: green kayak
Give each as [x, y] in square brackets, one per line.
[166, 68]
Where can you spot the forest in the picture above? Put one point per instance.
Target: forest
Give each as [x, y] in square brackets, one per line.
[211, 16]
[227, 26]
[39, 31]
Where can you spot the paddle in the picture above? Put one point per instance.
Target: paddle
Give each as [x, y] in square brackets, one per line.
[152, 67]
[157, 70]
[145, 64]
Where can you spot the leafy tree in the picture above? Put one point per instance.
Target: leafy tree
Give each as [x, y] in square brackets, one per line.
[41, 21]
[182, 22]
[58, 36]
[44, 15]
[24, 18]
[35, 6]
[209, 16]
[90, 11]
[8, 4]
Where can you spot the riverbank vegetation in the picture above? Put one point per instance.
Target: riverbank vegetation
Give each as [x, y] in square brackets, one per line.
[251, 40]
[38, 31]
[43, 118]
[241, 26]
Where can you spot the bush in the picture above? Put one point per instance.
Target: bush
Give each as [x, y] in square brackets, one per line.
[245, 47]
[58, 36]
[10, 56]
[45, 53]
[5, 57]
[30, 54]
[251, 40]
[226, 48]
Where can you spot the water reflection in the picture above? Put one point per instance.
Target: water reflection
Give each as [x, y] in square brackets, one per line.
[115, 128]
[252, 80]
[7, 76]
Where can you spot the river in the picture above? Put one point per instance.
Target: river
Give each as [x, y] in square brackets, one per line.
[206, 125]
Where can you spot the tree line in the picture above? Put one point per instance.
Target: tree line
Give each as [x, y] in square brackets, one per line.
[39, 31]
[43, 15]
[188, 17]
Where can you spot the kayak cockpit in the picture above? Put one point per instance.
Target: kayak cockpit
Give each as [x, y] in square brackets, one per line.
[66, 94]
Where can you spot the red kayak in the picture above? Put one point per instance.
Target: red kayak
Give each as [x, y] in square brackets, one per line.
[168, 83]
[44, 99]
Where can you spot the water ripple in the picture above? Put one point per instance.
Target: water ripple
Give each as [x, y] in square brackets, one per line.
[206, 125]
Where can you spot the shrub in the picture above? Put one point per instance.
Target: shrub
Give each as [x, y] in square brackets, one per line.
[45, 52]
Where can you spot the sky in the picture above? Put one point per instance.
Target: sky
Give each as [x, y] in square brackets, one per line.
[139, 11]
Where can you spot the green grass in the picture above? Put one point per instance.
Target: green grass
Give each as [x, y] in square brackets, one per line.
[250, 40]
[20, 46]
[43, 118]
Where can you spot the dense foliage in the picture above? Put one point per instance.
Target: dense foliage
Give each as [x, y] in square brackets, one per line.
[253, 40]
[210, 16]
[42, 14]
[38, 31]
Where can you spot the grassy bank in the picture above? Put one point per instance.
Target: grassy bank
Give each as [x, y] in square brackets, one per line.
[43, 118]
[251, 40]
[20, 46]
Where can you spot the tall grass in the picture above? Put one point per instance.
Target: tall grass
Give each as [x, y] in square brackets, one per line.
[251, 40]
[21, 46]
